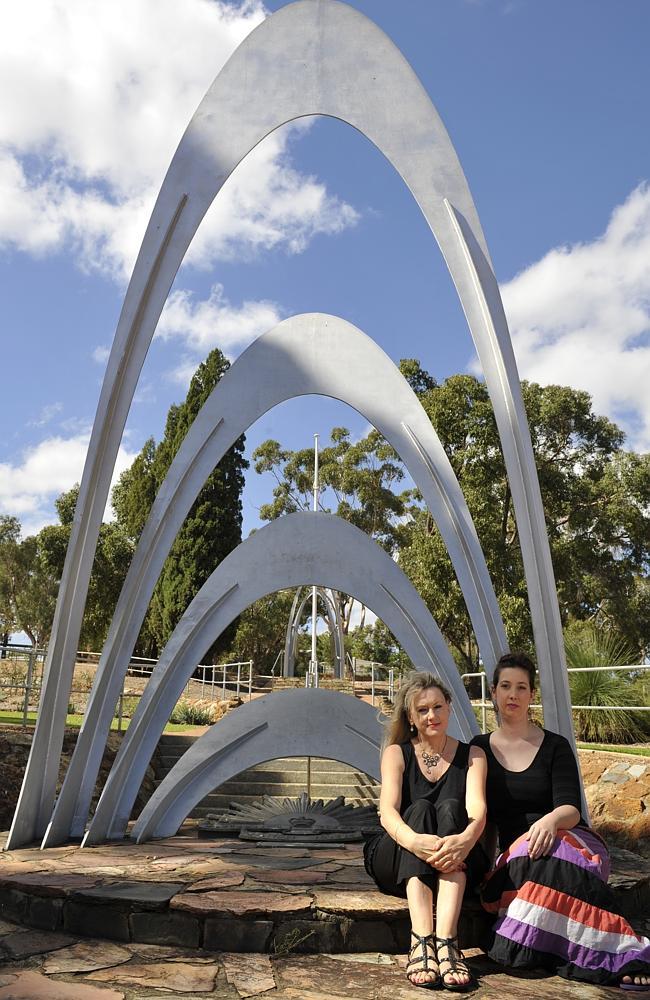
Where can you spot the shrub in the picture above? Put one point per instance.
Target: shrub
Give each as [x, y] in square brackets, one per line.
[594, 647]
[194, 713]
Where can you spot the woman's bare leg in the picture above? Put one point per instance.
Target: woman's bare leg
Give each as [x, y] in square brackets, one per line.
[420, 900]
[451, 887]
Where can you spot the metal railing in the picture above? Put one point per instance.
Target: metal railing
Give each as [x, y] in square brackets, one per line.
[484, 704]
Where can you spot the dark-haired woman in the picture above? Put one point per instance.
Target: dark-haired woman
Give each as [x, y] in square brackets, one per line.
[548, 889]
[433, 811]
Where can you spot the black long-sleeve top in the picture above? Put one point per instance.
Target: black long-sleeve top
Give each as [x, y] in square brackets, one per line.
[515, 799]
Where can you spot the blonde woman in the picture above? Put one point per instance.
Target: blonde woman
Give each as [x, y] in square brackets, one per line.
[433, 811]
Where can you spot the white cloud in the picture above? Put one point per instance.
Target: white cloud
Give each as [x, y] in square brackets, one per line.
[581, 316]
[214, 322]
[100, 95]
[29, 488]
[100, 354]
[49, 411]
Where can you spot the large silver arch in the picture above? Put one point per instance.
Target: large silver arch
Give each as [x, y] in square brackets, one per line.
[294, 362]
[302, 548]
[343, 728]
[313, 48]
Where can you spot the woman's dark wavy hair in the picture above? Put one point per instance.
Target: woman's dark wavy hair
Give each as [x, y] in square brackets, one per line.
[515, 659]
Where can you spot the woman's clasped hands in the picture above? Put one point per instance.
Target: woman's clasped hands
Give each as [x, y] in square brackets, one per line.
[445, 854]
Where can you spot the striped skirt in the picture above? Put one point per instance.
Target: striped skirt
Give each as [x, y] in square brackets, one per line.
[557, 912]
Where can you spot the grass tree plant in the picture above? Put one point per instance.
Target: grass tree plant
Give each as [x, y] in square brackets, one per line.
[588, 645]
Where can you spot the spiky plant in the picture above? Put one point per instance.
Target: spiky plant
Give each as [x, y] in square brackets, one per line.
[590, 646]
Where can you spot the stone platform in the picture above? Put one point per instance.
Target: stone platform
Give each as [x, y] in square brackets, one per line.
[223, 894]
[233, 895]
[174, 917]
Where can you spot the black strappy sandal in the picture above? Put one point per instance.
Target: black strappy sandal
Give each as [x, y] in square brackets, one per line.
[423, 942]
[455, 962]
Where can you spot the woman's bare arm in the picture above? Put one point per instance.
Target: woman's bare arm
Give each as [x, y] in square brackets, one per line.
[454, 849]
[390, 800]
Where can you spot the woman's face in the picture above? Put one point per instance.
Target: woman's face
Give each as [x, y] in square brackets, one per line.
[512, 694]
[430, 713]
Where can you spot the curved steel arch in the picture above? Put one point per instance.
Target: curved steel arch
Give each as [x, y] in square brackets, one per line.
[313, 48]
[312, 548]
[295, 361]
[343, 728]
[335, 629]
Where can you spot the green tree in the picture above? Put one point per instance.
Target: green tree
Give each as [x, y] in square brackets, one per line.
[28, 588]
[110, 566]
[35, 591]
[375, 642]
[596, 500]
[135, 491]
[9, 536]
[212, 528]
[262, 630]
[357, 482]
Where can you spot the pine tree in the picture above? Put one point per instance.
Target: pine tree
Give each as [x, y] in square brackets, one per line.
[212, 528]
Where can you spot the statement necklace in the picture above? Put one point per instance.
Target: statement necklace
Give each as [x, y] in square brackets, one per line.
[433, 759]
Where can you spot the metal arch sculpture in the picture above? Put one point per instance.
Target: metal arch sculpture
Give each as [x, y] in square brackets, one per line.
[335, 626]
[334, 722]
[292, 359]
[313, 47]
[302, 548]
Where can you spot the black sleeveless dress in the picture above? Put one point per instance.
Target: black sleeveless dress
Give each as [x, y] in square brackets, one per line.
[433, 807]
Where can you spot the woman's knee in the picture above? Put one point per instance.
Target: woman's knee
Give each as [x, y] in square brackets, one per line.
[421, 816]
[451, 817]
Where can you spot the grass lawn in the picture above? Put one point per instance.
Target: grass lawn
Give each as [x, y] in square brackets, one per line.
[638, 751]
[74, 722]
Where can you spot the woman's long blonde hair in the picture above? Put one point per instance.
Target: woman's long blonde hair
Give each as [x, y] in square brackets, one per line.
[398, 726]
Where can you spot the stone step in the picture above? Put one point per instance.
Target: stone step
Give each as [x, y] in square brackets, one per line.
[253, 781]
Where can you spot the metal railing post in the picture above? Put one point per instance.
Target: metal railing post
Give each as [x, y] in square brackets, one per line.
[238, 677]
[28, 685]
[223, 691]
[483, 705]
[250, 680]
[120, 709]
[372, 683]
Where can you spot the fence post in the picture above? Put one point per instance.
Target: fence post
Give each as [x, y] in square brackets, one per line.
[483, 712]
[250, 680]
[120, 709]
[372, 683]
[238, 677]
[28, 684]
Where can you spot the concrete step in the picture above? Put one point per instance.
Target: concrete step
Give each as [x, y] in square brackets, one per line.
[297, 777]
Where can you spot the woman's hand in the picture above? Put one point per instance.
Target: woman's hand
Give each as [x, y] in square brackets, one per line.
[451, 853]
[541, 837]
[424, 845]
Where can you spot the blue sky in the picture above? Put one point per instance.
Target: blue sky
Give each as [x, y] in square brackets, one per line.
[546, 103]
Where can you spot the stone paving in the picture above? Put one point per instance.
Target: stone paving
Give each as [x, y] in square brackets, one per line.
[48, 966]
[223, 919]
